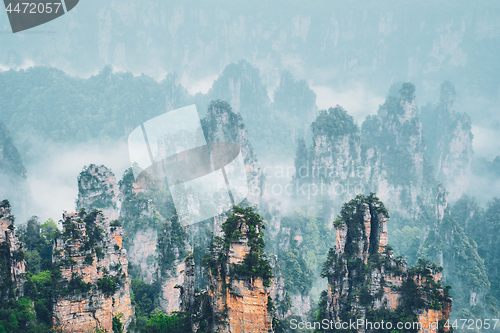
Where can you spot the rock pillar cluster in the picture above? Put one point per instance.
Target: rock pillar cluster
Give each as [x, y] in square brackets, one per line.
[365, 279]
[12, 265]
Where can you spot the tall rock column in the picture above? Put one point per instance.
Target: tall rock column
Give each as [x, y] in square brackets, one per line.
[95, 285]
[239, 276]
[138, 216]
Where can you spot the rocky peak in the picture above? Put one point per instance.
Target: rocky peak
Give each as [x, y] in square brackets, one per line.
[393, 151]
[333, 125]
[297, 101]
[447, 96]
[98, 189]
[95, 285]
[386, 156]
[336, 144]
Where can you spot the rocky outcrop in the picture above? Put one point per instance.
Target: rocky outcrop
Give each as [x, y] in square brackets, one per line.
[142, 253]
[239, 298]
[297, 101]
[365, 279]
[12, 264]
[95, 285]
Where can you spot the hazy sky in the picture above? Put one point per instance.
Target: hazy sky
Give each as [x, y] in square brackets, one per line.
[350, 52]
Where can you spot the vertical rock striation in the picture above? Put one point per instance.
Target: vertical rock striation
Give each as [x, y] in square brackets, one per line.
[95, 285]
[385, 156]
[393, 151]
[332, 166]
[240, 85]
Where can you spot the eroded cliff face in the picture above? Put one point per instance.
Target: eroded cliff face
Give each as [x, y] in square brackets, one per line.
[239, 299]
[176, 267]
[365, 279]
[95, 285]
[12, 264]
[332, 167]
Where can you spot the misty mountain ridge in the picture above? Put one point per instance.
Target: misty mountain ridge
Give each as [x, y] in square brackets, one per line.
[390, 149]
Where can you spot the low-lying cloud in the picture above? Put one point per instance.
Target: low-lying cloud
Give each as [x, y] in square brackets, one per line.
[357, 100]
[52, 178]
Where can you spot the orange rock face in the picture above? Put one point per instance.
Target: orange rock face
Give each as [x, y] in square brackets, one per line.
[81, 311]
[246, 304]
[240, 305]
